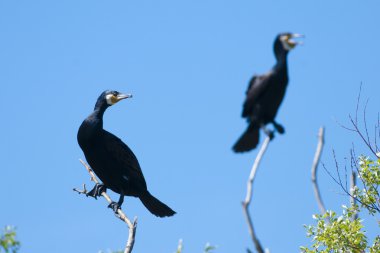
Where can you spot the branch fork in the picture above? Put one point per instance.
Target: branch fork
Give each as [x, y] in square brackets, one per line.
[120, 214]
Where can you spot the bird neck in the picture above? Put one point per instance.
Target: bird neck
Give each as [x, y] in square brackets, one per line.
[96, 118]
[99, 110]
[97, 115]
[282, 59]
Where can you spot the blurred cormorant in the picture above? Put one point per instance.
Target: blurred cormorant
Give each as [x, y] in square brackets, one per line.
[265, 94]
[113, 161]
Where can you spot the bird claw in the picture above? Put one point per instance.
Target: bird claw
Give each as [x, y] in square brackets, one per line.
[270, 135]
[96, 191]
[268, 132]
[114, 206]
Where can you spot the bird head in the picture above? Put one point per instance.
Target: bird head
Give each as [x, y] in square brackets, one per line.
[110, 97]
[286, 41]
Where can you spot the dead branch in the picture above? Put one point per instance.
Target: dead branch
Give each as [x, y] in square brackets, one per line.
[314, 168]
[352, 188]
[131, 225]
[248, 197]
[180, 246]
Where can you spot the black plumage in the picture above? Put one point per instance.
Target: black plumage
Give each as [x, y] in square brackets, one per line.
[113, 161]
[265, 94]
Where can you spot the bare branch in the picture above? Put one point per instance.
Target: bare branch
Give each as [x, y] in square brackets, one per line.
[365, 137]
[352, 188]
[248, 197]
[365, 122]
[255, 166]
[314, 168]
[357, 104]
[180, 246]
[131, 225]
[338, 173]
[343, 126]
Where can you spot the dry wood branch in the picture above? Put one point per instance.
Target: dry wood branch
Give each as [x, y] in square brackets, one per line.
[255, 166]
[352, 188]
[314, 168]
[180, 246]
[248, 197]
[131, 225]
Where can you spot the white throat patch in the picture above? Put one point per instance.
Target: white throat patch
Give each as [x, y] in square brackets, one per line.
[285, 43]
[110, 98]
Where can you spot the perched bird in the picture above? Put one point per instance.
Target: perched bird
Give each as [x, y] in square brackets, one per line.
[265, 94]
[113, 161]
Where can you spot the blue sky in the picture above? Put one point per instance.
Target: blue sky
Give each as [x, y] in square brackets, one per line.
[187, 64]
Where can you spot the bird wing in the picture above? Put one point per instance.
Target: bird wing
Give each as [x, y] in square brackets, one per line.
[124, 156]
[257, 86]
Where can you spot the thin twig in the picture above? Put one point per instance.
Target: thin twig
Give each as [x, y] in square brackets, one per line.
[355, 124]
[365, 122]
[248, 197]
[375, 136]
[131, 225]
[346, 191]
[357, 104]
[317, 157]
[337, 171]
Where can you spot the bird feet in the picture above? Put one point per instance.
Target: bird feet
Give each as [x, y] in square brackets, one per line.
[97, 191]
[268, 132]
[114, 206]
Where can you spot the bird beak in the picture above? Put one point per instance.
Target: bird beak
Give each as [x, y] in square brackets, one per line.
[122, 96]
[292, 43]
[297, 35]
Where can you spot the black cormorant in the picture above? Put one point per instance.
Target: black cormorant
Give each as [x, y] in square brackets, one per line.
[113, 161]
[265, 94]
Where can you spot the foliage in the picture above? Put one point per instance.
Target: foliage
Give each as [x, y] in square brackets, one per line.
[208, 247]
[345, 233]
[369, 173]
[8, 242]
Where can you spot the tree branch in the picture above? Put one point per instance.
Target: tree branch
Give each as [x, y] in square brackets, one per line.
[314, 168]
[352, 188]
[131, 225]
[248, 197]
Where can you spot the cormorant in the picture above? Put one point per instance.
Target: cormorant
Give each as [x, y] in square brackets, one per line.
[113, 161]
[265, 94]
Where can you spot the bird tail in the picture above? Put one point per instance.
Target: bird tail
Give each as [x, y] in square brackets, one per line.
[248, 140]
[155, 206]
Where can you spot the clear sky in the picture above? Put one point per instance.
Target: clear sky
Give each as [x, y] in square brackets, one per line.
[187, 64]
